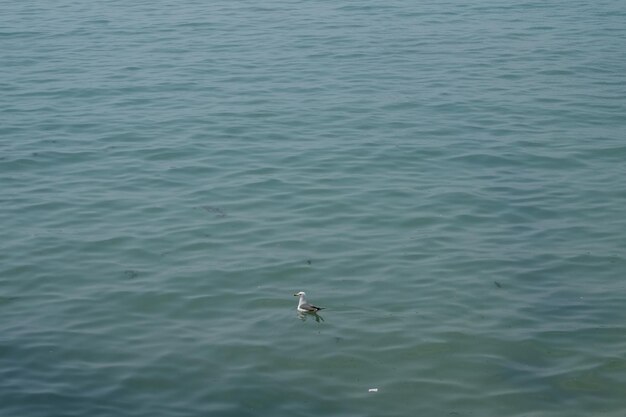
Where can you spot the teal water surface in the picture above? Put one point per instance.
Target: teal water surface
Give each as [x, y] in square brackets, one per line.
[446, 178]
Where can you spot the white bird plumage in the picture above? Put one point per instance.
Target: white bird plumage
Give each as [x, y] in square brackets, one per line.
[304, 306]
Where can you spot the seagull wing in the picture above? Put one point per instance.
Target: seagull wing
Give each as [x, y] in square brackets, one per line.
[310, 307]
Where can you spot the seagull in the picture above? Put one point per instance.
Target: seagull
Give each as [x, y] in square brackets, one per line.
[305, 307]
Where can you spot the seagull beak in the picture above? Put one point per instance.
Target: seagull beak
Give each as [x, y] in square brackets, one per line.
[295, 295]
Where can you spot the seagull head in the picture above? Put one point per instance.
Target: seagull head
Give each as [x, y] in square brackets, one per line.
[299, 294]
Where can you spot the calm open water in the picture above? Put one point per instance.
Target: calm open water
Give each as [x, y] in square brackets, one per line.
[447, 178]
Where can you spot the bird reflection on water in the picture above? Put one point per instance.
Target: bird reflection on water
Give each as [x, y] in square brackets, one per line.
[305, 315]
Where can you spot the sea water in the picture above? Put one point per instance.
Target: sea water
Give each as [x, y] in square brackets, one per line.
[446, 178]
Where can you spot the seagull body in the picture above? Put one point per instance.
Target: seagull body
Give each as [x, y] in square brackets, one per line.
[305, 307]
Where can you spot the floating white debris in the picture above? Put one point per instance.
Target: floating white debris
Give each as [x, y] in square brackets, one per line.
[373, 390]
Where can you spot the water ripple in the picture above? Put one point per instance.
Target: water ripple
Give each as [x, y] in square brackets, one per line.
[445, 179]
